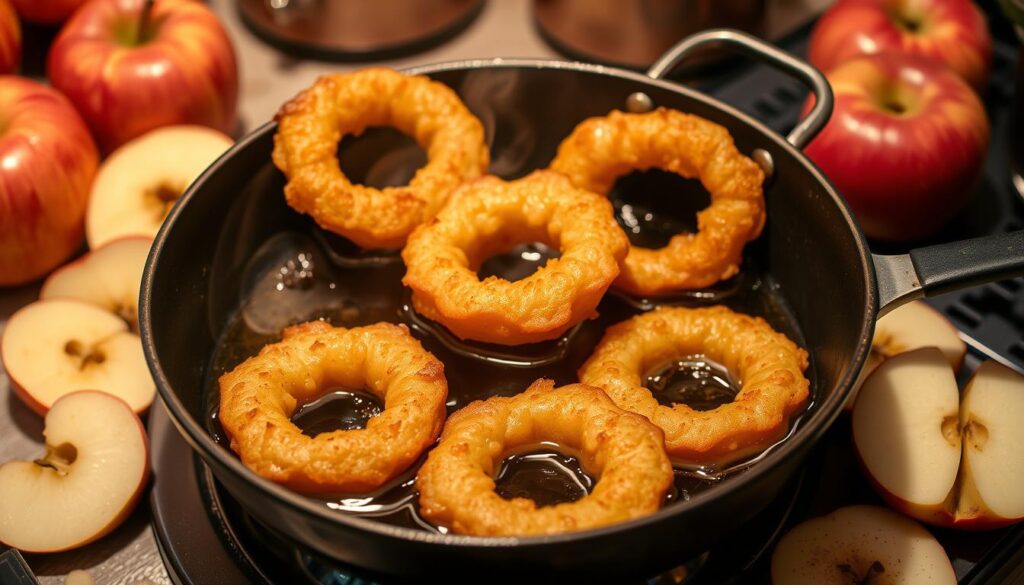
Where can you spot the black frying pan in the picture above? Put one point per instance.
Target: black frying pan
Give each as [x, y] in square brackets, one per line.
[812, 275]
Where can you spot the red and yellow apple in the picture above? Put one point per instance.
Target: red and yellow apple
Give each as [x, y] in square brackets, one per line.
[936, 457]
[952, 32]
[860, 544]
[10, 39]
[137, 184]
[94, 470]
[129, 73]
[46, 11]
[905, 145]
[53, 347]
[47, 163]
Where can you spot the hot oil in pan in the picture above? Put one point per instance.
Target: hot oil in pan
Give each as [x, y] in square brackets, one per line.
[298, 276]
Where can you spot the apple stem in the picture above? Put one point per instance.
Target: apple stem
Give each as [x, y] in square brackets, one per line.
[147, 9]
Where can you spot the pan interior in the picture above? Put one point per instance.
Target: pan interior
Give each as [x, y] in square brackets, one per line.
[265, 267]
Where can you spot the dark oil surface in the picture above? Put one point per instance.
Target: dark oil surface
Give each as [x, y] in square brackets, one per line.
[306, 273]
[342, 410]
[697, 381]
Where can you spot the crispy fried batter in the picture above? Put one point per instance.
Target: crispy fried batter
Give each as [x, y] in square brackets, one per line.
[623, 450]
[488, 216]
[311, 125]
[259, 396]
[600, 150]
[769, 367]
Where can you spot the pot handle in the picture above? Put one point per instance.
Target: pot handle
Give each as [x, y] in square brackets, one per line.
[752, 46]
[947, 267]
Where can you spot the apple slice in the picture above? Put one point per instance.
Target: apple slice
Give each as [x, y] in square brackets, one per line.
[94, 470]
[992, 470]
[934, 458]
[906, 432]
[908, 327]
[860, 544]
[109, 277]
[53, 347]
[137, 184]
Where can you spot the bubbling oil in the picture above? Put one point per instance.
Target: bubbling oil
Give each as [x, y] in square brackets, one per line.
[308, 274]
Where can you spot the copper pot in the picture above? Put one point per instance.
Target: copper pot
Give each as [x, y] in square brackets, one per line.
[634, 33]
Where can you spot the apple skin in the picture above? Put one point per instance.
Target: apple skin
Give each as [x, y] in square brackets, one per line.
[184, 72]
[49, 161]
[46, 11]
[904, 173]
[952, 32]
[10, 39]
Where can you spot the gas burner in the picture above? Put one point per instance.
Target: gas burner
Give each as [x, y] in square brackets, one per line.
[204, 536]
[356, 30]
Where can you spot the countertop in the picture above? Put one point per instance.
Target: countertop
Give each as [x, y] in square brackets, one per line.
[504, 28]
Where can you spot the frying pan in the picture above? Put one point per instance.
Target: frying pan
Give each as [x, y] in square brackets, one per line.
[812, 254]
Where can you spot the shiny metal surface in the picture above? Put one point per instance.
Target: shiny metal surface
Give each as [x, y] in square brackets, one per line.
[751, 46]
[634, 33]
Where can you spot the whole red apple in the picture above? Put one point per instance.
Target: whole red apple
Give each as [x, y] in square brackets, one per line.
[951, 31]
[905, 144]
[129, 72]
[10, 39]
[46, 11]
[47, 162]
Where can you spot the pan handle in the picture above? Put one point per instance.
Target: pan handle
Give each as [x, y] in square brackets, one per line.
[946, 267]
[752, 46]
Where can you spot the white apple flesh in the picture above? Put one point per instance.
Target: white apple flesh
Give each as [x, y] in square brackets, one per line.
[865, 545]
[936, 457]
[137, 184]
[108, 277]
[992, 422]
[95, 467]
[911, 326]
[905, 429]
[53, 347]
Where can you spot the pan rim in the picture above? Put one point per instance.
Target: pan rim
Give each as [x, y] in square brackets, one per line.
[809, 432]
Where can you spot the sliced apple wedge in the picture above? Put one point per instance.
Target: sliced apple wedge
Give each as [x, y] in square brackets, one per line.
[94, 470]
[911, 326]
[992, 470]
[906, 432]
[860, 544]
[109, 277]
[137, 184]
[53, 347]
[935, 458]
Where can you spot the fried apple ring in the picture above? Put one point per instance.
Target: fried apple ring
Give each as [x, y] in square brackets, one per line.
[600, 150]
[258, 397]
[311, 125]
[488, 216]
[624, 451]
[769, 367]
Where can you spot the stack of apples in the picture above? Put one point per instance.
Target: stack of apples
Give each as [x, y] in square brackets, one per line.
[908, 137]
[154, 86]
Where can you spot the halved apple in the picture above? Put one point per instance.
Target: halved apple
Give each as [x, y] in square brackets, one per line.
[94, 470]
[53, 347]
[860, 544]
[935, 459]
[992, 469]
[137, 184]
[109, 277]
[911, 326]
